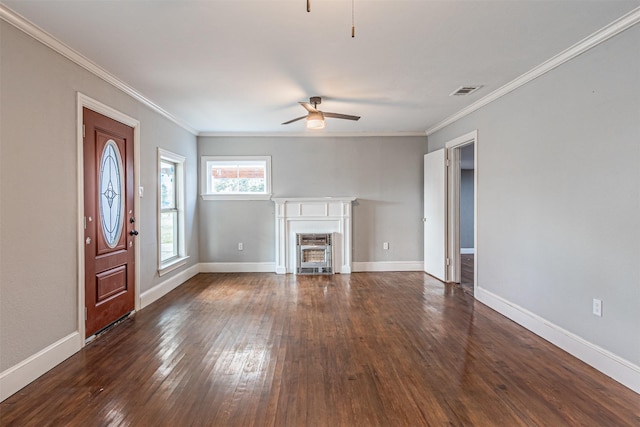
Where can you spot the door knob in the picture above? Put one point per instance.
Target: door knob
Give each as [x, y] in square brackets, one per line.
[133, 233]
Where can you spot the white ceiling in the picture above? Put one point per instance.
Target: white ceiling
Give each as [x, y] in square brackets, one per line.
[241, 66]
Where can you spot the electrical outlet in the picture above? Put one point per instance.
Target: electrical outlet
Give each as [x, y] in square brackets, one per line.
[385, 246]
[597, 307]
[240, 246]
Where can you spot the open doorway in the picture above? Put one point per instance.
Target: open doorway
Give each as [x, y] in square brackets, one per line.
[461, 211]
[466, 220]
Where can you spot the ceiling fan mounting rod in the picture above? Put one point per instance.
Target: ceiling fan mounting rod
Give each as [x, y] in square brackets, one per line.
[315, 100]
[353, 24]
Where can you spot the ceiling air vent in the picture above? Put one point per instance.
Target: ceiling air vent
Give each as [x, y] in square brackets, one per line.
[464, 90]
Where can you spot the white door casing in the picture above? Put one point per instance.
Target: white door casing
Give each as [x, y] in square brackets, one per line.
[453, 214]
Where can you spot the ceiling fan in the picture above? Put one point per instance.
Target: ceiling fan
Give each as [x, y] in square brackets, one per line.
[315, 118]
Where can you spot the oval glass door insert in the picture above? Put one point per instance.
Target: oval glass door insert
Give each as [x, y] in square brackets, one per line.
[111, 187]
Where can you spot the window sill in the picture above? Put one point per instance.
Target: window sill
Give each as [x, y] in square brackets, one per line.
[235, 196]
[172, 265]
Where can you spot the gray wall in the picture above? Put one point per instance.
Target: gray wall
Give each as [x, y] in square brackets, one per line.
[466, 208]
[38, 211]
[559, 194]
[384, 173]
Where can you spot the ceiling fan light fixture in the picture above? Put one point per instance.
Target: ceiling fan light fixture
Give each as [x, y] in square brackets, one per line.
[315, 121]
[315, 118]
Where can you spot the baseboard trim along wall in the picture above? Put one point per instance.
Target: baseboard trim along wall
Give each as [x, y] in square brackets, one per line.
[237, 267]
[270, 267]
[161, 289]
[18, 376]
[388, 266]
[621, 370]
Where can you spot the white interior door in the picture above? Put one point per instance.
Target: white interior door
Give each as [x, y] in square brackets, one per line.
[435, 219]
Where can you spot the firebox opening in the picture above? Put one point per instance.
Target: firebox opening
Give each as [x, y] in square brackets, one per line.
[313, 255]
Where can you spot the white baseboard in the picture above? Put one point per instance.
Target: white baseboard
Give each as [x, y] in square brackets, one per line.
[161, 289]
[20, 375]
[621, 370]
[467, 251]
[270, 267]
[237, 267]
[388, 266]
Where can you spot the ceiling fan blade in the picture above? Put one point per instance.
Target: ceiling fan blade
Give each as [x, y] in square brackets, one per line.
[294, 120]
[308, 107]
[341, 116]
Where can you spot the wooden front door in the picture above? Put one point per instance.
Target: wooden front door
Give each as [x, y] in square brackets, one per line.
[109, 222]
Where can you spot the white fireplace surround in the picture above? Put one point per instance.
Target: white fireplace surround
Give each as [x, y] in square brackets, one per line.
[313, 215]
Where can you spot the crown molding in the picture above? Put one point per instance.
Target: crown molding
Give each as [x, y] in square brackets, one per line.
[310, 134]
[48, 40]
[623, 23]
[616, 27]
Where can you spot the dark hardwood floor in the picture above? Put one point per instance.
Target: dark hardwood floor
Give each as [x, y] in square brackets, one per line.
[366, 349]
[466, 272]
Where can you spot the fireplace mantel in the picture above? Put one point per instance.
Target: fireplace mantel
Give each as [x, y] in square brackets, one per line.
[313, 215]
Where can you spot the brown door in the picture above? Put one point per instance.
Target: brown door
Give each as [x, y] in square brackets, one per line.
[110, 224]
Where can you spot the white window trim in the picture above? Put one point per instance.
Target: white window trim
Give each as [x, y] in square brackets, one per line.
[172, 264]
[245, 196]
[176, 262]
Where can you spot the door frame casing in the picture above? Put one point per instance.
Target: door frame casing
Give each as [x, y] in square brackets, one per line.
[83, 101]
[453, 205]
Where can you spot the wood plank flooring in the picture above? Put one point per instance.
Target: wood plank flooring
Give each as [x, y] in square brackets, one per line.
[466, 272]
[366, 349]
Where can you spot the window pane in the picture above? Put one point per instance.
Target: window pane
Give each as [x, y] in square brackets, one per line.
[168, 235]
[111, 189]
[167, 185]
[251, 179]
[224, 178]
